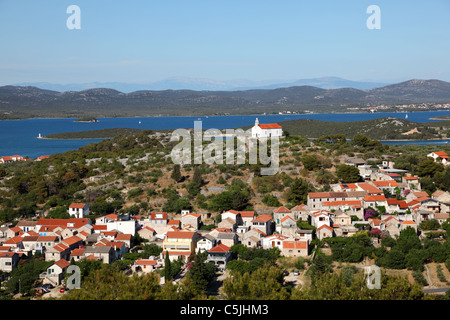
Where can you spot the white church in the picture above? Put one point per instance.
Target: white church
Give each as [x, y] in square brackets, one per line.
[266, 130]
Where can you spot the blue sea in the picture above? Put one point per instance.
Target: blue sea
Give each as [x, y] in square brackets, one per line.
[20, 136]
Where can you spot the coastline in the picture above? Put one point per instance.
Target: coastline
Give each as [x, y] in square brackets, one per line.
[226, 115]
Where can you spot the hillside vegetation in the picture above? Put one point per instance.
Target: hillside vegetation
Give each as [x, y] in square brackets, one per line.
[381, 129]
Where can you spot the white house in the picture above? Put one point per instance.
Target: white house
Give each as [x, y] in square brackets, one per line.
[266, 130]
[120, 223]
[78, 210]
[321, 218]
[275, 240]
[8, 261]
[440, 156]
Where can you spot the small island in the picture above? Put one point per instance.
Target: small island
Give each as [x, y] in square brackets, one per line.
[94, 134]
[87, 119]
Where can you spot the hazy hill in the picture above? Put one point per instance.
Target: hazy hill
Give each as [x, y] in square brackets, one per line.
[110, 102]
[199, 84]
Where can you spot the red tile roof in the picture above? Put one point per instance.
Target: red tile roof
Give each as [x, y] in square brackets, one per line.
[442, 154]
[262, 218]
[295, 244]
[146, 262]
[375, 198]
[123, 237]
[47, 238]
[72, 240]
[387, 183]
[326, 227]
[301, 207]
[62, 263]
[180, 234]
[13, 240]
[282, 209]
[111, 216]
[369, 188]
[220, 248]
[77, 252]
[341, 203]
[158, 216]
[77, 205]
[270, 126]
[7, 254]
[100, 227]
[77, 222]
[287, 217]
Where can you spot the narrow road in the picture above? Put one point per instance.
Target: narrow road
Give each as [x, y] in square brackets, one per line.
[436, 290]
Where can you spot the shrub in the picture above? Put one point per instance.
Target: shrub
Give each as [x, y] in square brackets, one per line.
[418, 276]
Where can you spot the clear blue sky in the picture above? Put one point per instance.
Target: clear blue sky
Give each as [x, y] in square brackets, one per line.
[144, 41]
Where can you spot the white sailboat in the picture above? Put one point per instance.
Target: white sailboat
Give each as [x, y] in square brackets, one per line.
[406, 117]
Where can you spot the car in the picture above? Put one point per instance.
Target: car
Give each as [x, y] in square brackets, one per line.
[63, 289]
[48, 286]
[38, 292]
[296, 273]
[285, 273]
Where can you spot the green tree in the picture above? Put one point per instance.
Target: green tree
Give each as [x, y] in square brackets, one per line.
[167, 268]
[201, 273]
[310, 162]
[264, 284]
[429, 168]
[176, 173]
[298, 192]
[197, 178]
[346, 173]
[395, 259]
[271, 201]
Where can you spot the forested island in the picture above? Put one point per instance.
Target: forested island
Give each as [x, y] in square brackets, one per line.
[380, 129]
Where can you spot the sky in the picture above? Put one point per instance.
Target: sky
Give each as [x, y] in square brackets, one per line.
[146, 41]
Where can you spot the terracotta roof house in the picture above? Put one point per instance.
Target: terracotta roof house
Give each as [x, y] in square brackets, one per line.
[146, 265]
[78, 210]
[295, 248]
[8, 261]
[263, 222]
[56, 272]
[219, 255]
[179, 244]
[324, 231]
[440, 156]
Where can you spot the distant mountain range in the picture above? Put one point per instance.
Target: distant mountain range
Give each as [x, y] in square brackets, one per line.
[184, 83]
[29, 101]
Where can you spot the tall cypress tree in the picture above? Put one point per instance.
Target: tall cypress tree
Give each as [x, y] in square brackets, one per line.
[176, 173]
[197, 178]
[167, 267]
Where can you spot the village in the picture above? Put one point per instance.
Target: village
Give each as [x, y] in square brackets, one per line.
[344, 211]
